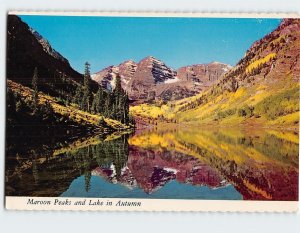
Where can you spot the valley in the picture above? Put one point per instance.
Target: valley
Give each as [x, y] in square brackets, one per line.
[142, 129]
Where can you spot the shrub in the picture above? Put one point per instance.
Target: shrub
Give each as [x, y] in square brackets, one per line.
[278, 105]
[226, 113]
[246, 111]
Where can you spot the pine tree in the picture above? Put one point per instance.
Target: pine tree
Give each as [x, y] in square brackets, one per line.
[113, 105]
[118, 86]
[94, 104]
[47, 110]
[126, 109]
[101, 100]
[97, 105]
[78, 96]
[34, 84]
[86, 100]
[87, 180]
[120, 101]
[107, 106]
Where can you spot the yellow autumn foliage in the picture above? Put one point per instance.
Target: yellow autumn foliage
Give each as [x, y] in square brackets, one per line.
[259, 62]
[70, 111]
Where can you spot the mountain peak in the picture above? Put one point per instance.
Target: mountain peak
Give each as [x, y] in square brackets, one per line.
[215, 62]
[154, 69]
[128, 62]
[149, 58]
[219, 63]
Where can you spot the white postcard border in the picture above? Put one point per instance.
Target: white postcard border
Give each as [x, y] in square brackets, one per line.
[56, 203]
[130, 204]
[157, 14]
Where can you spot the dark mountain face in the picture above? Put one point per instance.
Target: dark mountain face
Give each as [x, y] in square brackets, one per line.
[27, 49]
[151, 79]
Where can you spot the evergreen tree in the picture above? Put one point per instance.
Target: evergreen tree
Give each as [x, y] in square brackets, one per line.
[35, 171]
[47, 111]
[113, 105]
[126, 109]
[94, 104]
[109, 106]
[121, 102]
[86, 99]
[118, 86]
[34, 84]
[78, 96]
[97, 105]
[106, 106]
[87, 180]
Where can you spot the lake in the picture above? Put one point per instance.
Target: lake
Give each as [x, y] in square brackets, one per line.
[170, 163]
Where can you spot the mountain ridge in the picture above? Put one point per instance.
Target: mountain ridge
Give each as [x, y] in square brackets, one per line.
[151, 79]
[27, 49]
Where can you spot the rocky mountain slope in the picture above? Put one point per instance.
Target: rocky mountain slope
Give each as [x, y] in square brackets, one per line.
[106, 77]
[27, 49]
[275, 56]
[151, 79]
[203, 75]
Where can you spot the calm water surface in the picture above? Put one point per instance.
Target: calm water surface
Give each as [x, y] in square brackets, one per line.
[224, 164]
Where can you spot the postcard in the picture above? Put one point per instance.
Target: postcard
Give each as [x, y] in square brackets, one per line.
[152, 111]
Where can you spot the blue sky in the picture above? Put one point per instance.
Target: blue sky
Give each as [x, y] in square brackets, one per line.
[104, 41]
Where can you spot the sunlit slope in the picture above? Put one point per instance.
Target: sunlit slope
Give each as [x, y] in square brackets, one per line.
[68, 111]
[262, 89]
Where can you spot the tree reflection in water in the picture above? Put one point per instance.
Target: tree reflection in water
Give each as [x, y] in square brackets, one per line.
[260, 165]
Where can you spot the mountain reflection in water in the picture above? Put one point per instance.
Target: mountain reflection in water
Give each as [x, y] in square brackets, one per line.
[223, 164]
